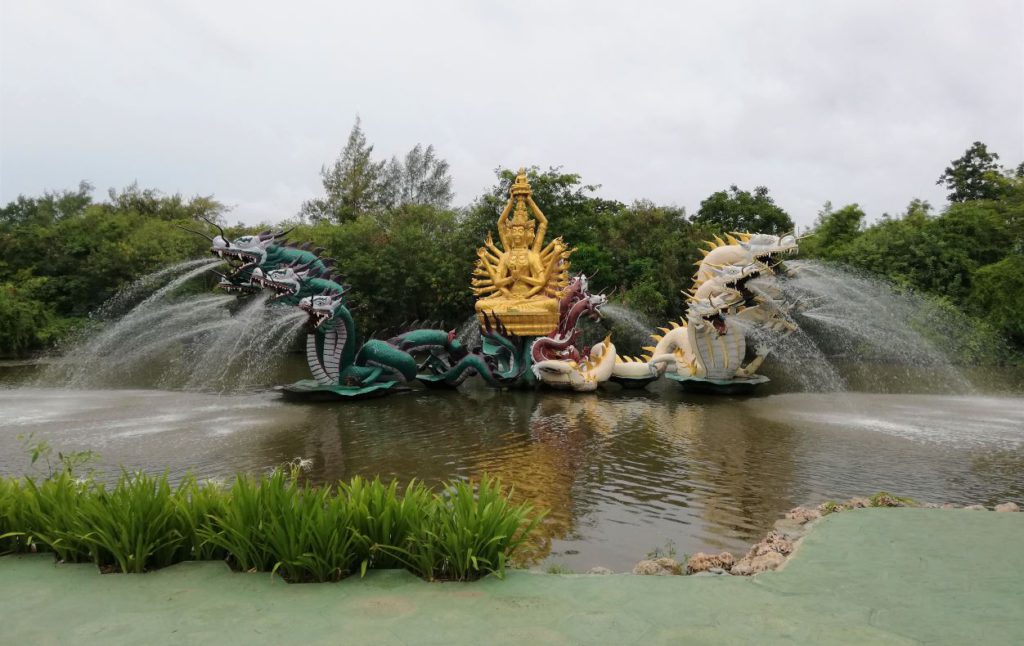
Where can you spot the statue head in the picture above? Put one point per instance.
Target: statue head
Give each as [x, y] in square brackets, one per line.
[520, 227]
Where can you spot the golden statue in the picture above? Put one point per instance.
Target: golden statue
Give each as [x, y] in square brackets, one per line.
[520, 282]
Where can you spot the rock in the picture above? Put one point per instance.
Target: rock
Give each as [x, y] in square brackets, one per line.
[790, 529]
[1008, 506]
[976, 507]
[949, 505]
[659, 567]
[701, 562]
[857, 502]
[670, 564]
[829, 507]
[931, 505]
[773, 542]
[803, 514]
[717, 570]
[599, 570]
[763, 563]
[883, 499]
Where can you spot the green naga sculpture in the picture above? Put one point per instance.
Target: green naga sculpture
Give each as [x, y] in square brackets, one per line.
[706, 350]
[341, 368]
[300, 277]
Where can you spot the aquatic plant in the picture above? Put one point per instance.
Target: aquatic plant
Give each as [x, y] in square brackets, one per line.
[268, 523]
[386, 520]
[468, 533]
[274, 523]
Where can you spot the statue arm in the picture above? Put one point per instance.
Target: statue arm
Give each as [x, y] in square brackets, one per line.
[544, 272]
[542, 224]
[500, 279]
[501, 224]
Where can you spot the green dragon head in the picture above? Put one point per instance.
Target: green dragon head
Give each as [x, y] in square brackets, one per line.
[322, 309]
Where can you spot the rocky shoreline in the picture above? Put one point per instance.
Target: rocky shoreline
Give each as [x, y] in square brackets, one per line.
[773, 551]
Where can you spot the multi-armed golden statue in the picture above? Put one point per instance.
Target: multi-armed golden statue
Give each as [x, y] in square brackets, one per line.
[519, 283]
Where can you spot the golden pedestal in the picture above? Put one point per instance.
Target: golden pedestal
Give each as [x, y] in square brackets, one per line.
[522, 323]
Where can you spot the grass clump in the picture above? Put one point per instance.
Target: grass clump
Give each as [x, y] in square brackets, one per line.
[830, 507]
[886, 499]
[274, 523]
[466, 533]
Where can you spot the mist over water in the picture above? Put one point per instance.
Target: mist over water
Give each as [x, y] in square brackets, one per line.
[207, 342]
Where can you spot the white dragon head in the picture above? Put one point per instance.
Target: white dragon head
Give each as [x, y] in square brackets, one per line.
[285, 281]
[321, 308]
[765, 245]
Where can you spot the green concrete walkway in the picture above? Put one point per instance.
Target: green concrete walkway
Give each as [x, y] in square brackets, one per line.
[876, 576]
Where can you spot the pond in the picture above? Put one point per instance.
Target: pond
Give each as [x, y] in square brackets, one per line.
[622, 472]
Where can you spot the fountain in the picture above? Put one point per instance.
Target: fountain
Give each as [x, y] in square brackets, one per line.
[171, 342]
[525, 329]
[706, 350]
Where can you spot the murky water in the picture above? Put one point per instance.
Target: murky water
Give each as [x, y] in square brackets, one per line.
[622, 472]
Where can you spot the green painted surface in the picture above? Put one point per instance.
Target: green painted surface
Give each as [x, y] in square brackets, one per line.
[875, 576]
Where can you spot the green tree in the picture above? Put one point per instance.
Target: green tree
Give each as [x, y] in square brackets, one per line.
[997, 296]
[357, 184]
[62, 255]
[26, 323]
[352, 182]
[736, 210]
[420, 178]
[974, 176]
[833, 229]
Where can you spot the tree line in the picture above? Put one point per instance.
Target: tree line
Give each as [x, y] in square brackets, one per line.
[408, 253]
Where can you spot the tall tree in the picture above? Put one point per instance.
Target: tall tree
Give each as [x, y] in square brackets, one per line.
[421, 178]
[352, 183]
[974, 176]
[736, 210]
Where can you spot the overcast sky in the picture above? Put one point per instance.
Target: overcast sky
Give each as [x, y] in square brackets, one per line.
[844, 101]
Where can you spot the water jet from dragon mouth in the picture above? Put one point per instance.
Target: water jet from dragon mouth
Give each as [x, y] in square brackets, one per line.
[855, 321]
[151, 335]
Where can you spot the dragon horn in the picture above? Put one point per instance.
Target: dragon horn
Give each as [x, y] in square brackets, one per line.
[222, 234]
[195, 232]
[281, 234]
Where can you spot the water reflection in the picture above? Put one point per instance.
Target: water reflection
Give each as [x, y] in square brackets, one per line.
[622, 472]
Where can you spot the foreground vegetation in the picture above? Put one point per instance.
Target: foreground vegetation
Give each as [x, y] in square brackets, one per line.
[409, 254]
[268, 523]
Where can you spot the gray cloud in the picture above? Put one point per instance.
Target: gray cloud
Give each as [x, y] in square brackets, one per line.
[863, 101]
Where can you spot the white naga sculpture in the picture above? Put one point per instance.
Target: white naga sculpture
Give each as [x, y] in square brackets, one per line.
[706, 350]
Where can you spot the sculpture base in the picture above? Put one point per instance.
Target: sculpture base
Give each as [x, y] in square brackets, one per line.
[739, 386]
[522, 323]
[633, 383]
[309, 390]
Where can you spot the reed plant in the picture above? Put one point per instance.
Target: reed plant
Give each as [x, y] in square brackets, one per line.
[467, 533]
[385, 519]
[133, 526]
[274, 523]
